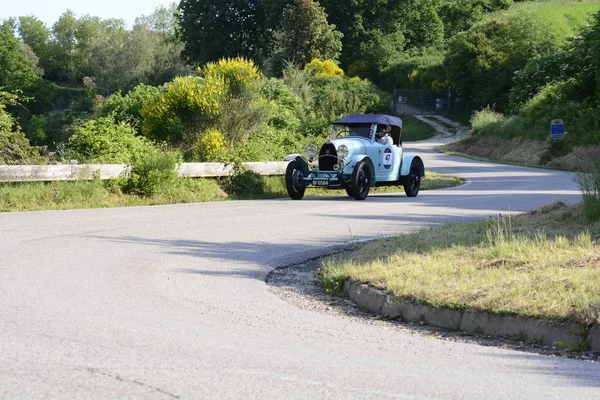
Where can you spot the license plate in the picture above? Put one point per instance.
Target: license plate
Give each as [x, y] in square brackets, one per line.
[320, 182]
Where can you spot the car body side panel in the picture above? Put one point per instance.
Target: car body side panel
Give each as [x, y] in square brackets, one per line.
[389, 160]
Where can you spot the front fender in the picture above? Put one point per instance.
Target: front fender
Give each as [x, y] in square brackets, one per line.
[349, 168]
[408, 160]
[300, 160]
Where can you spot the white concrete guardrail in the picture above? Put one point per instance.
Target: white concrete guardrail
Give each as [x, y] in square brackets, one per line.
[69, 172]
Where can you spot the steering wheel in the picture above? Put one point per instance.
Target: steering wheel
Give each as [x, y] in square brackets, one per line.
[341, 134]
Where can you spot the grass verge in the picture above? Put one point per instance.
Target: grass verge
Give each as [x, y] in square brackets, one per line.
[449, 128]
[414, 130]
[524, 151]
[543, 264]
[461, 116]
[37, 196]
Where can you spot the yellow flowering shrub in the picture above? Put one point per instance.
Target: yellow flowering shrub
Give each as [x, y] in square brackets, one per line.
[324, 68]
[209, 147]
[239, 74]
[186, 103]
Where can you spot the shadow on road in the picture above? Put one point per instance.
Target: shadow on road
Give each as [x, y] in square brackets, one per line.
[562, 372]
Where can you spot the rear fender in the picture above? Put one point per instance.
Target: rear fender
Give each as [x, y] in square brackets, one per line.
[408, 160]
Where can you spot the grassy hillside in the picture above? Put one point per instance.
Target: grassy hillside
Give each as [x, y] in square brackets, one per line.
[560, 17]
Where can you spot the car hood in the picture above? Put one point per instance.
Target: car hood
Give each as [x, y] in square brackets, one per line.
[355, 145]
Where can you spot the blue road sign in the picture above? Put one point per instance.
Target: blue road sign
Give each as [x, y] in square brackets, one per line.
[557, 127]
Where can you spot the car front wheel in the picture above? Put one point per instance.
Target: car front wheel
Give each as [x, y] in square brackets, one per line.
[361, 181]
[294, 180]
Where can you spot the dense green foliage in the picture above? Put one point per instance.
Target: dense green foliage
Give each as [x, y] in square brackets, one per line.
[14, 146]
[482, 61]
[96, 91]
[564, 86]
[16, 71]
[104, 50]
[303, 35]
[104, 141]
[213, 29]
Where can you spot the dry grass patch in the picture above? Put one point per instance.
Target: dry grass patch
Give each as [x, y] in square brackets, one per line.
[510, 151]
[522, 151]
[579, 159]
[543, 264]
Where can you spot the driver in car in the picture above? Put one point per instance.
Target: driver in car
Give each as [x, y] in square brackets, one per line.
[383, 135]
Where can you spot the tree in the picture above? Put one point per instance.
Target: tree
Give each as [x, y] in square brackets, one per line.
[163, 20]
[14, 146]
[35, 34]
[16, 70]
[167, 61]
[460, 15]
[305, 34]
[213, 29]
[379, 30]
[61, 61]
[481, 62]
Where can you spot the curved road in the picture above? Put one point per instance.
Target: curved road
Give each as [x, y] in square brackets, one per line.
[171, 301]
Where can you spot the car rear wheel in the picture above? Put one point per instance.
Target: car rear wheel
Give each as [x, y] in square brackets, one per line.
[413, 181]
[361, 181]
[294, 180]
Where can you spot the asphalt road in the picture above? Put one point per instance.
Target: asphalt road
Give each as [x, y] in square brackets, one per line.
[171, 301]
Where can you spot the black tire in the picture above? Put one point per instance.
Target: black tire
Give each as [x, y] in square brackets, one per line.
[293, 175]
[413, 181]
[349, 192]
[360, 183]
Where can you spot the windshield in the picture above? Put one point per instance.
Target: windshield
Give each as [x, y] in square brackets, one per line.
[362, 130]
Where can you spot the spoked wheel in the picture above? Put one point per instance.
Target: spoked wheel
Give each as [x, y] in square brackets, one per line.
[413, 181]
[361, 181]
[294, 180]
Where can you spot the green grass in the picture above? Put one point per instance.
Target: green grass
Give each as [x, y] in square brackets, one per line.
[414, 130]
[562, 18]
[449, 128]
[543, 264]
[36, 196]
[463, 117]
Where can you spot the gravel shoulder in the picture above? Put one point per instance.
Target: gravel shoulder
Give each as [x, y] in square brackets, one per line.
[296, 284]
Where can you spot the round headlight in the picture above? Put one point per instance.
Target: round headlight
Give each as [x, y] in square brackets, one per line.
[311, 151]
[342, 151]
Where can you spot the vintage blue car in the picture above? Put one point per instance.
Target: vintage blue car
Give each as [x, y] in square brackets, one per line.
[363, 151]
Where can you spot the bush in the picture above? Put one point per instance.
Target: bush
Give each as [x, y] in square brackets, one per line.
[539, 71]
[323, 68]
[209, 147]
[240, 75]
[227, 97]
[269, 144]
[481, 62]
[336, 97]
[105, 141]
[245, 184]
[185, 106]
[482, 121]
[36, 130]
[590, 188]
[418, 69]
[152, 169]
[14, 146]
[128, 108]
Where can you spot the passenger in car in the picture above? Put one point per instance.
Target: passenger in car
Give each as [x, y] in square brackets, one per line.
[383, 135]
